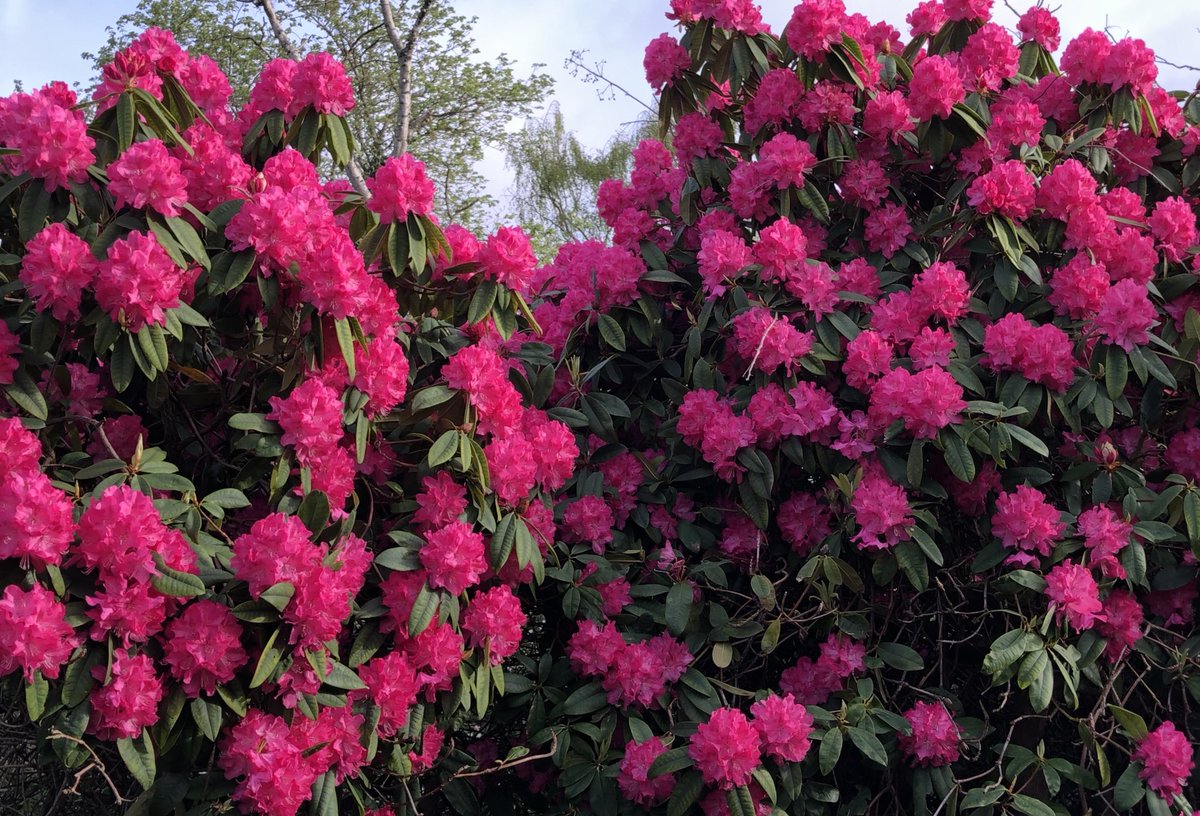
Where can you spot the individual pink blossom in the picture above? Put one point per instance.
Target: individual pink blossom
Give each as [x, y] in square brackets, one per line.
[989, 58]
[888, 115]
[726, 749]
[1039, 25]
[138, 282]
[784, 726]
[128, 702]
[935, 737]
[935, 89]
[882, 511]
[1173, 223]
[887, 229]
[398, 188]
[769, 341]
[1105, 534]
[202, 648]
[589, 520]
[593, 649]
[311, 418]
[1007, 190]
[927, 401]
[1129, 63]
[633, 776]
[392, 683]
[815, 26]
[508, 258]
[1077, 289]
[665, 61]
[927, 18]
[36, 521]
[1074, 590]
[262, 752]
[321, 81]
[1166, 757]
[493, 620]
[57, 268]
[1183, 454]
[968, 9]
[1123, 623]
[454, 557]
[382, 374]
[147, 176]
[34, 633]
[1026, 522]
[1126, 314]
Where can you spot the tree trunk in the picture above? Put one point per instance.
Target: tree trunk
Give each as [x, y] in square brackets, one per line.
[404, 56]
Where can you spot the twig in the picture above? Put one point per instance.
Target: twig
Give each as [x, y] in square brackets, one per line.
[96, 763]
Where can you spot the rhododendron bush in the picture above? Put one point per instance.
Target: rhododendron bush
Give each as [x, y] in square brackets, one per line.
[857, 475]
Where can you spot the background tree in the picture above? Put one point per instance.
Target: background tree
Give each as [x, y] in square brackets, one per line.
[458, 103]
[556, 178]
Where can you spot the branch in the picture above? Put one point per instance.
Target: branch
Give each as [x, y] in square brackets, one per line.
[575, 64]
[285, 42]
[404, 56]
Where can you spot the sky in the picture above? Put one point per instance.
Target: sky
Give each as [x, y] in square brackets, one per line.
[45, 38]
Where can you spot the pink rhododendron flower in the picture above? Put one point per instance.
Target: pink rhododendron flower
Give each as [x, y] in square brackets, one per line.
[769, 341]
[146, 176]
[1074, 590]
[58, 266]
[128, 702]
[203, 647]
[398, 188]
[935, 737]
[935, 89]
[726, 748]
[815, 26]
[1166, 757]
[882, 511]
[633, 776]
[1039, 25]
[1126, 314]
[138, 282]
[1123, 623]
[454, 557]
[1024, 521]
[36, 520]
[321, 81]
[34, 633]
[665, 61]
[783, 725]
[493, 620]
[508, 258]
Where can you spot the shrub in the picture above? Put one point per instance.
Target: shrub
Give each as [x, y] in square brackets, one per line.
[855, 476]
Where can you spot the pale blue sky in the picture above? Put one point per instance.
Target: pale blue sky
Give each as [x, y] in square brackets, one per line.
[43, 40]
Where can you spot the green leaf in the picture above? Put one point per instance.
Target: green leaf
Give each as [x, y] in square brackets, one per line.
[36, 692]
[912, 562]
[1028, 440]
[267, 661]
[1129, 789]
[324, 796]
[139, 759]
[345, 339]
[208, 717]
[1191, 515]
[126, 121]
[1133, 723]
[901, 657]
[177, 584]
[612, 333]
[1116, 372]
[34, 209]
[958, 457]
[443, 450]
[430, 397]
[868, 744]
[585, 700]
[679, 608]
[686, 793]
[482, 301]
[424, 608]
[26, 395]
[400, 559]
[1030, 806]
[831, 750]
[1031, 668]
[255, 422]
[227, 498]
[343, 677]
[670, 761]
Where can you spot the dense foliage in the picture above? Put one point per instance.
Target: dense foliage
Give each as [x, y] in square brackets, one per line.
[857, 475]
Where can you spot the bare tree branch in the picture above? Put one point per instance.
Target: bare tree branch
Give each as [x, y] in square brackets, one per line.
[594, 74]
[285, 42]
[404, 55]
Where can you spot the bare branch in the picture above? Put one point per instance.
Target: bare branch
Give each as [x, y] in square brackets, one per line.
[404, 56]
[285, 42]
[595, 74]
